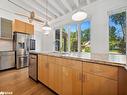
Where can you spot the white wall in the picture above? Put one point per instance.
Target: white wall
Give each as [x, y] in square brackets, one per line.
[49, 41]
[44, 42]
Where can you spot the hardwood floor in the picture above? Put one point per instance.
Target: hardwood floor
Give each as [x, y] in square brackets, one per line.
[18, 82]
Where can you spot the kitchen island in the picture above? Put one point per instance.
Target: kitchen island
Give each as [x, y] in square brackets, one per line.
[83, 74]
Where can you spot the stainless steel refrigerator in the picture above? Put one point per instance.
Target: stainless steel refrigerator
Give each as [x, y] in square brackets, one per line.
[21, 46]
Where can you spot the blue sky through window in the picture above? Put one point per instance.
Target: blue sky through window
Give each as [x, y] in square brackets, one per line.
[85, 25]
[66, 28]
[73, 27]
[118, 31]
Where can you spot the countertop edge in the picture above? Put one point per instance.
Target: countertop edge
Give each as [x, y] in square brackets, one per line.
[84, 60]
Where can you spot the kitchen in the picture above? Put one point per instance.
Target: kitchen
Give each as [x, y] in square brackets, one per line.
[47, 48]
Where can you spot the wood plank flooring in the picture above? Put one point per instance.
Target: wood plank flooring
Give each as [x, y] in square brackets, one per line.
[18, 82]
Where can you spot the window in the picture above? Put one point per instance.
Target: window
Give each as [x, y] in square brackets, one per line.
[57, 39]
[117, 33]
[65, 38]
[85, 36]
[73, 38]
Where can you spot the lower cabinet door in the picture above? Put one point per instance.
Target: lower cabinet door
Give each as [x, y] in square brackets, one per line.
[58, 79]
[43, 69]
[97, 85]
[51, 75]
[71, 83]
[55, 75]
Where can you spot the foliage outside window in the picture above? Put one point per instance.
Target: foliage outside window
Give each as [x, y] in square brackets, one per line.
[73, 38]
[57, 39]
[65, 38]
[85, 36]
[117, 33]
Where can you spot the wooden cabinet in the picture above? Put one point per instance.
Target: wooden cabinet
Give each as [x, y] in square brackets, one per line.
[18, 26]
[51, 62]
[71, 78]
[29, 28]
[58, 76]
[96, 85]
[22, 27]
[55, 74]
[99, 79]
[49, 72]
[101, 70]
[43, 69]
[122, 81]
[62, 76]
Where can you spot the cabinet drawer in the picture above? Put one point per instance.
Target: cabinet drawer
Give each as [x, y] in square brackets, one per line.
[58, 61]
[51, 59]
[72, 63]
[102, 70]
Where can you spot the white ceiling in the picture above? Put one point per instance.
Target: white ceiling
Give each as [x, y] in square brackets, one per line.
[56, 8]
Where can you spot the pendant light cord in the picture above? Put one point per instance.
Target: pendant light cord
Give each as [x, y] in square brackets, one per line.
[46, 9]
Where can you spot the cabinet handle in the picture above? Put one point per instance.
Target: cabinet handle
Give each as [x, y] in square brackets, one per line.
[47, 65]
[80, 77]
[84, 78]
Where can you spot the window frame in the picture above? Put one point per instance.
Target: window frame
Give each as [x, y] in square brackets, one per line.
[56, 40]
[113, 12]
[78, 34]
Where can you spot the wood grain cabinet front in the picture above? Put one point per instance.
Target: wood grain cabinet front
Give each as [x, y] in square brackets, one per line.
[55, 74]
[18, 26]
[29, 28]
[101, 70]
[23, 27]
[43, 69]
[71, 78]
[99, 79]
[51, 62]
[96, 85]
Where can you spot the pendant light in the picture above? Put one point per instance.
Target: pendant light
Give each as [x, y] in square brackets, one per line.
[79, 15]
[46, 27]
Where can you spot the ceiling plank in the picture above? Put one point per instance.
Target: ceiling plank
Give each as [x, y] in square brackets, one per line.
[76, 2]
[49, 8]
[37, 8]
[55, 5]
[66, 4]
[42, 16]
[88, 2]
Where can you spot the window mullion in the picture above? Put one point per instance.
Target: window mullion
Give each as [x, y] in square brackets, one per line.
[68, 29]
[79, 37]
[126, 32]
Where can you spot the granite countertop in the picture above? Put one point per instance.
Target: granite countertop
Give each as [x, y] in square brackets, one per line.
[8, 51]
[108, 59]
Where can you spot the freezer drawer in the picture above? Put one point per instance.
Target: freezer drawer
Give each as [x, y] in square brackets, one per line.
[21, 61]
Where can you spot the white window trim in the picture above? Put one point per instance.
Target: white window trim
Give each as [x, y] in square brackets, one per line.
[112, 12]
